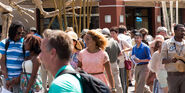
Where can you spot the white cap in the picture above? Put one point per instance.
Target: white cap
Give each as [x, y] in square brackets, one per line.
[33, 28]
[106, 31]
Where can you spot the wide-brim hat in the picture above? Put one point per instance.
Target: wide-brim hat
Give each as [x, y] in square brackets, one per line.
[74, 36]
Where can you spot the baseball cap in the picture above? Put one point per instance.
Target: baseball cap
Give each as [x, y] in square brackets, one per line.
[106, 31]
[32, 28]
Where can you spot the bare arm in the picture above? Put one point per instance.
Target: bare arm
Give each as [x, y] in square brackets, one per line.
[31, 81]
[109, 74]
[3, 66]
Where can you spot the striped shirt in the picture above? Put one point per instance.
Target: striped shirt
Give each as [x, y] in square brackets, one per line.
[14, 57]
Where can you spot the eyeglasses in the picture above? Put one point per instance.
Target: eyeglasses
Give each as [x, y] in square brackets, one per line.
[20, 33]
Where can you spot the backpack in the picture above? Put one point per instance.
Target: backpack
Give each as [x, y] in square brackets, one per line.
[89, 83]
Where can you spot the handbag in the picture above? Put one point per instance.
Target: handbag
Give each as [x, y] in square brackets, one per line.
[128, 64]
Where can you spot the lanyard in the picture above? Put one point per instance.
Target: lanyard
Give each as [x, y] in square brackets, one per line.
[182, 46]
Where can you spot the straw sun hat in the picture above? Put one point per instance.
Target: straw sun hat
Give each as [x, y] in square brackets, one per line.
[74, 37]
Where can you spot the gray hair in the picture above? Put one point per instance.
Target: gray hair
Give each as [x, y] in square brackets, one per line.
[160, 29]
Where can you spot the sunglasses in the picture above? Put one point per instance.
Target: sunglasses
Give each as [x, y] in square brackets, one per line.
[20, 33]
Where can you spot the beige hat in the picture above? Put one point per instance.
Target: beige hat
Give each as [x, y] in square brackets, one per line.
[74, 36]
[159, 38]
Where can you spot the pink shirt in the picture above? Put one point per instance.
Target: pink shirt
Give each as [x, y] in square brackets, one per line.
[94, 63]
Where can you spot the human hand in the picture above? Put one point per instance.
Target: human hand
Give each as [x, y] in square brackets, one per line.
[174, 60]
[8, 84]
[16, 80]
[137, 60]
[113, 90]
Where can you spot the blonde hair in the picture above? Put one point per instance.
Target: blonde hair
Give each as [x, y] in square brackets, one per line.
[101, 41]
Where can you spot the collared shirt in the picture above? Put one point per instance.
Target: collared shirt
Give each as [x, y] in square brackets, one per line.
[14, 57]
[65, 83]
[143, 52]
[171, 47]
[125, 37]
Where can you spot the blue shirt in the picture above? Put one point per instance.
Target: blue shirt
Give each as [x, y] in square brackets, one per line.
[14, 57]
[65, 83]
[143, 52]
[37, 35]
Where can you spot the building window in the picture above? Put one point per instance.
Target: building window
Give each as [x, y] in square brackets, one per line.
[107, 18]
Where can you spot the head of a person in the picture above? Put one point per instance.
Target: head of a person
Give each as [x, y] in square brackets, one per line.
[83, 33]
[133, 32]
[32, 43]
[159, 39]
[74, 37]
[56, 48]
[95, 38]
[122, 29]
[114, 31]
[144, 32]
[162, 31]
[33, 30]
[138, 38]
[106, 32]
[179, 30]
[68, 29]
[16, 31]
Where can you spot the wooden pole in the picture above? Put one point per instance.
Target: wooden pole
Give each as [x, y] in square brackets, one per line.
[59, 15]
[88, 14]
[80, 18]
[64, 11]
[52, 20]
[84, 14]
[171, 15]
[165, 16]
[73, 15]
[75, 19]
[177, 12]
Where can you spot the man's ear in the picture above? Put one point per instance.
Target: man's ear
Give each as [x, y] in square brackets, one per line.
[53, 52]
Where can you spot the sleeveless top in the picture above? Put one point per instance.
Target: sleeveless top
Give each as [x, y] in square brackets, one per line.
[28, 65]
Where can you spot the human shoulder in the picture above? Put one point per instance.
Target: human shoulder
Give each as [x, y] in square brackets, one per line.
[65, 83]
[156, 53]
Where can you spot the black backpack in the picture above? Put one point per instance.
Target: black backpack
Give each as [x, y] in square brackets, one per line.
[89, 83]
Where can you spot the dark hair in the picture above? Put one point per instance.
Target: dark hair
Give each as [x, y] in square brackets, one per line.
[122, 29]
[115, 29]
[34, 43]
[178, 26]
[13, 29]
[134, 31]
[139, 34]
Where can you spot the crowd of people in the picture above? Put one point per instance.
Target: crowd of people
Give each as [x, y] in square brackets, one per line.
[116, 56]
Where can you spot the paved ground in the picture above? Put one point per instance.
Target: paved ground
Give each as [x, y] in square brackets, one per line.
[131, 88]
